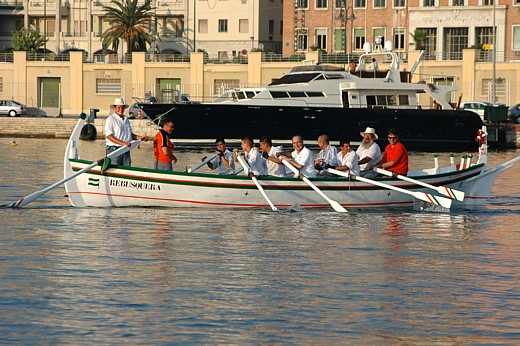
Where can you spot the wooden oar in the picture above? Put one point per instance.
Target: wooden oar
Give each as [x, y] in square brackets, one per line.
[443, 190]
[247, 169]
[423, 196]
[200, 164]
[29, 198]
[335, 205]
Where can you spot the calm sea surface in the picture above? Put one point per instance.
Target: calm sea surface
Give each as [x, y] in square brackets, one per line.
[198, 276]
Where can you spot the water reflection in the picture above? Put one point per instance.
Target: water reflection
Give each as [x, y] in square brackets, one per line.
[143, 276]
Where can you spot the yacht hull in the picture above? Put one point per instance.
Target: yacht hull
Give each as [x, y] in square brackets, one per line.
[425, 130]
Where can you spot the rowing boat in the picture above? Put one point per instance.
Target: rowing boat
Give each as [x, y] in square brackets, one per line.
[120, 186]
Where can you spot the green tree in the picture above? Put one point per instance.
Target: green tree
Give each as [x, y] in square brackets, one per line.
[419, 37]
[131, 22]
[27, 40]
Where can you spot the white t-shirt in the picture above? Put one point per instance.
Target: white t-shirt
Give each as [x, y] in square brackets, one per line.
[304, 158]
[273, 168]
[256, 162]
[373, 151]
[350, 160]
[119, 128]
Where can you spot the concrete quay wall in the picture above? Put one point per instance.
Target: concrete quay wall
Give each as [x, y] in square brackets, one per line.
[61, 127]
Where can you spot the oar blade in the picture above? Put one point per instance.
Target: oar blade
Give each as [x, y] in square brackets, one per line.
[337, 207]
[437, 200]
[456, 194]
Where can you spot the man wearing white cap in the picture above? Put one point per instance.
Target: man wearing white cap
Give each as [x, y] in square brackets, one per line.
[369, 152]
[118, 132]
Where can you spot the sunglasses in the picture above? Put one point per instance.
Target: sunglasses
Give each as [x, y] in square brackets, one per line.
[392, 137]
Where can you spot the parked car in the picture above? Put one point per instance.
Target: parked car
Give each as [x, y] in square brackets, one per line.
[513, 114]
[12, 108]
[476, 106]
[133, 112]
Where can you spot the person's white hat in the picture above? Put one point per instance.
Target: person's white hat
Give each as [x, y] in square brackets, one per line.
[119, 102]
[369, 130]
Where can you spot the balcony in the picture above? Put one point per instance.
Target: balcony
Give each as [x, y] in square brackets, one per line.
[11, 5]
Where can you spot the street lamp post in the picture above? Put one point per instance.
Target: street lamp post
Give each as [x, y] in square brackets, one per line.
[345, 17]
[45, 30]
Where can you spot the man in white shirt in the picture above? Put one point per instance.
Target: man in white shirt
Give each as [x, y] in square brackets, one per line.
[347, 159]
[224, 161]
[327, 155]
[301, 158]
[118, 133]
[269, 153]
[253, 157]
[369, 153]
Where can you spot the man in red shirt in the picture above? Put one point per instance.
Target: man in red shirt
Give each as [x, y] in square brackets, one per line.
[163, 147]
[395, 157]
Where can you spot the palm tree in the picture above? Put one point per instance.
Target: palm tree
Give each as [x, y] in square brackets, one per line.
[419, 36]
[130, 22]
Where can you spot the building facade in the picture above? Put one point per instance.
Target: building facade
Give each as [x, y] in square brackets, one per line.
[221, 28]
[450, 26]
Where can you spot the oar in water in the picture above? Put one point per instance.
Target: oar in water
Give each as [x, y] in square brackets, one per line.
[443, 190]
[335, 205]
[247, 169]
[200, 164]
[423, 196]
[29, 198]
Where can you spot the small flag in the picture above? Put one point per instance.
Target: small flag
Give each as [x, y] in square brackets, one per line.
[93, 182]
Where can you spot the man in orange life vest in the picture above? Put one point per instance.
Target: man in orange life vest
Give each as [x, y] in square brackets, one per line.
[163, 147]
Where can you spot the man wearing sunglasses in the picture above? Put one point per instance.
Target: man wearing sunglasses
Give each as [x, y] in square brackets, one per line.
[395, 157]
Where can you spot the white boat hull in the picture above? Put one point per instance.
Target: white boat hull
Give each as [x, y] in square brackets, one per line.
[131, 186]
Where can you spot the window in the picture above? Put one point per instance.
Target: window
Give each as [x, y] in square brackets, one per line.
[516, 37]
[359, 38]
[455, 40]
[321, 38]
[500, 87]
[108, 86]
[302, 40]
[222, 25]
[457, 2]
[1, 84]
[339, 39]
[379, 3]
[203, 26]
[428, 3]
[487, 2]
[430, 43]
[80, 28]
[321, 3]
[379, 32]
[339, 4]
[399, 38]
[302, 4]
[399, 3]
[243, 25]
[360, 3]
[484, 35]
[221, 85]
[271, 27]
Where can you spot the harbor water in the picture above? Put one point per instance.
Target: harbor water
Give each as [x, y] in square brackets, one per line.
[216, 276]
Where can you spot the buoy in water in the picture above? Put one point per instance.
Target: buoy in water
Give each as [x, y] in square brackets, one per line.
[13, 143]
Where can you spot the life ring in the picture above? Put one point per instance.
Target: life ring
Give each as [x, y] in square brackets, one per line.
[88, 132]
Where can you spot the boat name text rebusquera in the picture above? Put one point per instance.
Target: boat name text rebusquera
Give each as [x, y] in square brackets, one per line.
[134, 185]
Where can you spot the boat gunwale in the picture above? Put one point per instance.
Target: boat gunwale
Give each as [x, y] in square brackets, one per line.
[292, 183]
